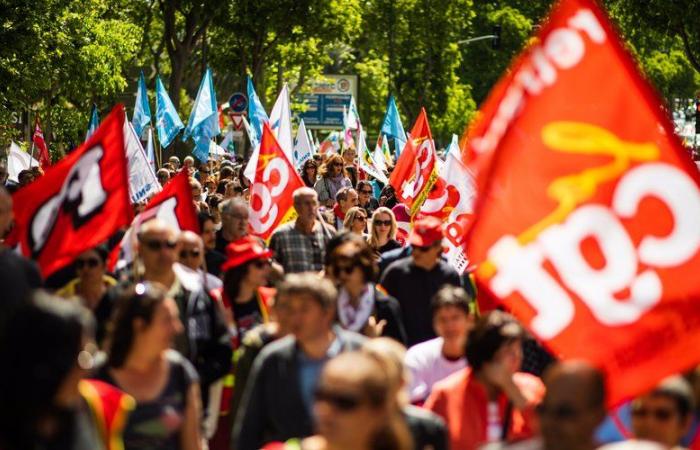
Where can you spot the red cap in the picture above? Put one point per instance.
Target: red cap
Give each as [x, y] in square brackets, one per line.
[243, 250]
[426, 232]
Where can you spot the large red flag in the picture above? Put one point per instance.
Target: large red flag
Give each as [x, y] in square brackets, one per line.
[173, 205]
[271, 202]
[416, 171]
[39, 142]
[587, 221]
[78, 203]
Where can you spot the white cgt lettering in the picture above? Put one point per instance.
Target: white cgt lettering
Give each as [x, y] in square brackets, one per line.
[520, 268]
[265, 216]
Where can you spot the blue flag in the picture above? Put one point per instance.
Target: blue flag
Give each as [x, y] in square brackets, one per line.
[256, 112]
[94, 122]
[204, 119]
[142, 111]
[392, 126]
[168, 123]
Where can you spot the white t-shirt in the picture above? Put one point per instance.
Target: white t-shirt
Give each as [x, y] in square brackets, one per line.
[428, 366]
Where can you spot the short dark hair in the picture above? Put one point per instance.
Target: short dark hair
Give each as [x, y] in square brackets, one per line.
[311, 284]
[491, 332]
[342, 194]
[363, 183]
[451, 296]
[225, 172]
[202, 218]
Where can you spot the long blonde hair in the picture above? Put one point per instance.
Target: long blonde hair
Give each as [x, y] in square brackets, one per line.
[350, 217]
[373, 233]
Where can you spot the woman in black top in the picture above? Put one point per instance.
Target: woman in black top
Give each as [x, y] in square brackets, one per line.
[309, 172]
[141, 363]
[361, 307]
[382, 233]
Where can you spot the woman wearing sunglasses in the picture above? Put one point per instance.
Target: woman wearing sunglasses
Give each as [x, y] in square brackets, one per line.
[91, 287]
[331, 181]
[141, 363]
[362, 308]
[309, 172]
[356, 221]
[382, 236]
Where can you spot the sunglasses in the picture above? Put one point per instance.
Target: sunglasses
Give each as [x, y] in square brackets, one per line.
[156, 245]
[561, 412]
[417, 248]
[660, 414]
[365, 192]
[343, 268]
[361, 218]
[189, 254]
[340, 401]
[89, 262]
[260, 263]
[379, 223]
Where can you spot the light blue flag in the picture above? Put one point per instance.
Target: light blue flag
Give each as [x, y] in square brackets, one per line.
[94, 122]
[204, 118]
[168, 123]
[142, 110]
[256, 112]
[150, 151]
[392, 126]
[201, 147]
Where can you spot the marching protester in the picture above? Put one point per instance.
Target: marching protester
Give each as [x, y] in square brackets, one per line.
[234, 223]
[91, 287]
[489, 401]
[356, 221]
[309, 172]
[191, 256]
[436, 359]
[278, 400]
[331, 180]
[212, 257]
[345, 199]
[205, 341]
[140, 362]
[382, 231]
[413, 280]
[300, 246]
[366, 198]
[361, 307]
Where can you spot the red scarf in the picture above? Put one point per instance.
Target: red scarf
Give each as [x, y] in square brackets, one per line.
[338, 213]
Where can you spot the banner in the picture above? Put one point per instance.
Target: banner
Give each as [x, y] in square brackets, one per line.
[173, 205]
[415, 171]
[587, 221]
[271, 202]
[78, 203]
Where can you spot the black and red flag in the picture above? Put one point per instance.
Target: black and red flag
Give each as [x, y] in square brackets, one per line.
[78, 203]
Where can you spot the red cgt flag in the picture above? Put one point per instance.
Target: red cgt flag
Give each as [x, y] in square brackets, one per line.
[173, 205]
[78, 203]
[40, 144]
[416, 171]
[587, 222]
[271, 202]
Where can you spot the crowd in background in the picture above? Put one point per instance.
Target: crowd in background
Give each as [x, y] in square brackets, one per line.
[344, 331]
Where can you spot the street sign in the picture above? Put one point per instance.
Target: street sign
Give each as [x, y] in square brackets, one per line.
[237, 120]
[238, 102]
[325, 103]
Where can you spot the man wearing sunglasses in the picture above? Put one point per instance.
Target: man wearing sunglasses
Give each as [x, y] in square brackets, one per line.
[414, 280]
[206, 342]
[191, 256]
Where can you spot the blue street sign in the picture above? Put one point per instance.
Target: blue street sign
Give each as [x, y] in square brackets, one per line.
[238, 102]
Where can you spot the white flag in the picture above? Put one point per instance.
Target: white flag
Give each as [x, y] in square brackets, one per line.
[302, 146]
[142, 180]
[281, 123]
[17, 161]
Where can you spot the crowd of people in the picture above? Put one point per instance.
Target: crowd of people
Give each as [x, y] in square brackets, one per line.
[342, 332]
